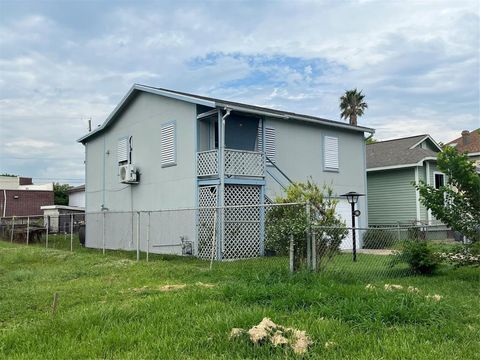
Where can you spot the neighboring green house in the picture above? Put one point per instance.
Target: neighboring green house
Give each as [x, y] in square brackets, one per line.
[392, 167]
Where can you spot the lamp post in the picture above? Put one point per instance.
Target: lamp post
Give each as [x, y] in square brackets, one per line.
[352, 198]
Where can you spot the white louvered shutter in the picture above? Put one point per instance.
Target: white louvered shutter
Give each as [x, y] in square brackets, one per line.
[270, 148]
[122, 150]
[331, 153]
[168, 144]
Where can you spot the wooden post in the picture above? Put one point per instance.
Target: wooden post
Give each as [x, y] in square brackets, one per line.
[55, 303]
[13, 229]
[71, 232]
[28, 229]
[292, 255]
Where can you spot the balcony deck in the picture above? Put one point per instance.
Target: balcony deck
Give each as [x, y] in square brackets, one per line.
[240, 163]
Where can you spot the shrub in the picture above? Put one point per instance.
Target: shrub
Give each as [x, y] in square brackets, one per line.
[378, 239]
[464, 255]
[285, 221]
[419, 255]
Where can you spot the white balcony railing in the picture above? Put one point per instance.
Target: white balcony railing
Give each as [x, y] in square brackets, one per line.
[237, 163]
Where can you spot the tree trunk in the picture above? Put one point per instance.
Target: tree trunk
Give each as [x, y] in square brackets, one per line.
[353, 119]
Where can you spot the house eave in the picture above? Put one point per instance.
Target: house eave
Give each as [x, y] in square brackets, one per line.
[402, 166]
[431, 139]
[295, 117]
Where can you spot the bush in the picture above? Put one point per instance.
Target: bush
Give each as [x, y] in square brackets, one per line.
[419, 255]
[378, 239]
[463, 255]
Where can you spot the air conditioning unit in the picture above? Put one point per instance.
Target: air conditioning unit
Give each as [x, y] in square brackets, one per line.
[128, 174]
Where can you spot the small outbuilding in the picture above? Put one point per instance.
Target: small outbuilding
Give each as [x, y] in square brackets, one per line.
[60, 217]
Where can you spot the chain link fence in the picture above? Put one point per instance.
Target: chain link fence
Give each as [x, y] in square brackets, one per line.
[271, 236]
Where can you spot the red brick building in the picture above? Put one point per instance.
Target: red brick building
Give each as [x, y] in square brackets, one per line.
[19, 197]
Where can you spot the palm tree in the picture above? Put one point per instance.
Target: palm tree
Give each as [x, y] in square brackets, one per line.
[352, 104]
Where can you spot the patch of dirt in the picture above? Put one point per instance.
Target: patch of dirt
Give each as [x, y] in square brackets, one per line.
[277, 335]
[205, 285]
[172, 287]
[163, 288]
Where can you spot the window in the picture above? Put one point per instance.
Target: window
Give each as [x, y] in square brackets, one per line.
[168, 143]
[330, 153]
[124, 150]
[270, 147]
[439, 180]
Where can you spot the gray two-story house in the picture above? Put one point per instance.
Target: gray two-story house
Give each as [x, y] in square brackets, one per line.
[164, 149]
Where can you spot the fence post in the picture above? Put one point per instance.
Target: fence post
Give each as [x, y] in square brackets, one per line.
[308, 238]
[28, 229]
[13, 229]
[71, 232]
[46, 231]
[292, 255]
[138, 235]
[314, 252]
[148, 235]
[398, 230]
[103, 232]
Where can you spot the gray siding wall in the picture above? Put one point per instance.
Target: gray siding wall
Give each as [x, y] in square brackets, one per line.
[391, 197]
[159, 188]
[299, 154]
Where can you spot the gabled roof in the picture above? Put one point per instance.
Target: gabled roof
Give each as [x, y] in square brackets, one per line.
[216, 103]
[471, 145]
[399, 153]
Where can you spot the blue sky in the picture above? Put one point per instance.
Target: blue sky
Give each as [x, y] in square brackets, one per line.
[62, 62]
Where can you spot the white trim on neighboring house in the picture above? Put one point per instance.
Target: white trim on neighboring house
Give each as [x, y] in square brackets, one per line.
[417, 194]
[423, 139]
[420, 163]
[473, 154]
[429, 212]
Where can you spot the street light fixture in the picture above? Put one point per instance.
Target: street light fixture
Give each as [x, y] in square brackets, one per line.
[352, 198]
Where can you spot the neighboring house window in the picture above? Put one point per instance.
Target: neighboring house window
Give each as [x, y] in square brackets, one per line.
[330, 153]
[124, 149]
[439, 180]
[270, 146]
[169, 148]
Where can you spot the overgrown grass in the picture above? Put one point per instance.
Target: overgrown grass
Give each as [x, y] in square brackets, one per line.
[103, 312]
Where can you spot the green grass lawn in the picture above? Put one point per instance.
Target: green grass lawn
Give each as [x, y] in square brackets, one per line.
[103, 312]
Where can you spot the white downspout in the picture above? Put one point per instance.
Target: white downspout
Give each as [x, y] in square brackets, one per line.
[4, 202]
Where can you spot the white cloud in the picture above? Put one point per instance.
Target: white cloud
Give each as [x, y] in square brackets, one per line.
[416, 61]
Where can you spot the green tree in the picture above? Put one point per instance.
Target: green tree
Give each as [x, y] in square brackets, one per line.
[456, 204]
[60, 192]
[370, 140]
[352, 105]
[285, 221]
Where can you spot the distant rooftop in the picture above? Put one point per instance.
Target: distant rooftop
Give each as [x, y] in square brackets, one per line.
[399, 152]
[469, 142]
